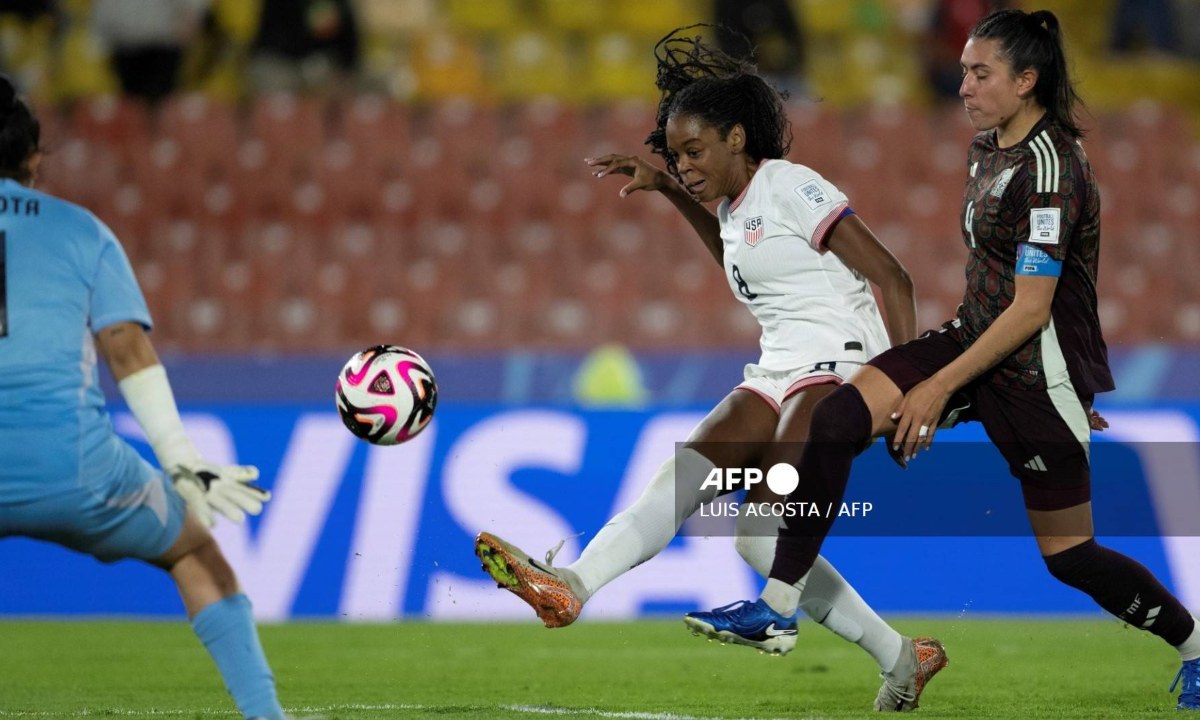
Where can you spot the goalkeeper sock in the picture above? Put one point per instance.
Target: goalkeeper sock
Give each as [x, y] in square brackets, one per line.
[642, 530]
[227, 630]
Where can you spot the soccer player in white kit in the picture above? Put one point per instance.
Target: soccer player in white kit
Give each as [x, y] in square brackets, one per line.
[798, 257]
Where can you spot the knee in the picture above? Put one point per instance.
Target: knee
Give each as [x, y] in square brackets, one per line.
[842, 417]
[1071, 566]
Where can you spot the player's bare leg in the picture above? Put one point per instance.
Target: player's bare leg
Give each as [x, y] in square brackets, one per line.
[222, 619]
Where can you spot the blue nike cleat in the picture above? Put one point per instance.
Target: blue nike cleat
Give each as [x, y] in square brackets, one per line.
[753, 624]
[1189, 695]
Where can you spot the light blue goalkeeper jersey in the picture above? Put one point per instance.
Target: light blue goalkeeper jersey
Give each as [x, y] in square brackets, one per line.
[65, 277]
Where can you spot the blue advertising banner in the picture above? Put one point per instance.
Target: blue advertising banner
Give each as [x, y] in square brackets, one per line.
[363, 533]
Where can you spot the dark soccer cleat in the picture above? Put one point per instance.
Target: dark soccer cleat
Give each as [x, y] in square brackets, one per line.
[538, 584]
[753, 624]
[920, 659]
[1189, 695]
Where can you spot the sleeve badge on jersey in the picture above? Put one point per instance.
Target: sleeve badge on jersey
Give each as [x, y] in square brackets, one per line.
[1044, 225]
[813, 195]
[754, 231]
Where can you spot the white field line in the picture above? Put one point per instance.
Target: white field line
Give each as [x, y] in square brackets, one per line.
[385, 707]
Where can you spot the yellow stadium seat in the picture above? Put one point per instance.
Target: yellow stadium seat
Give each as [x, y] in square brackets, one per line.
[533, 64]
[659, 17]
[620, 66]
[446, 65]
[577, 15]
[483, 16]
[398, 17]
[827, 17]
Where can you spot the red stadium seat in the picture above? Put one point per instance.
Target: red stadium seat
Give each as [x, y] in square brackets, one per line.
[295, 126]
[378, 129]
[120, 122]
[204, 128]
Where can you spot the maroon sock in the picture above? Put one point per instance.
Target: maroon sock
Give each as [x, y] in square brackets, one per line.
[841, 429]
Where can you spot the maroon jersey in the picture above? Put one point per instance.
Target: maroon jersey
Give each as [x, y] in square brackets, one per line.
[1037, 202]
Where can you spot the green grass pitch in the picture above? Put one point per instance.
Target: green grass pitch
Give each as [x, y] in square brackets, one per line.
[641, 671]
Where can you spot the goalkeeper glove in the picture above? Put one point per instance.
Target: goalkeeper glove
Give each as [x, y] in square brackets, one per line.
[227, 489]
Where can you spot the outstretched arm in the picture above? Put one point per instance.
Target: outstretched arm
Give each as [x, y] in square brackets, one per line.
[648, 177]
[855, 245]
[206, 487]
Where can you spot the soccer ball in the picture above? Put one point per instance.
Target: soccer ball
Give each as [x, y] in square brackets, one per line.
[386, 394]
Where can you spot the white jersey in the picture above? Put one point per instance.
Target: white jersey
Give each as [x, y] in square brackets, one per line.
[812, 308]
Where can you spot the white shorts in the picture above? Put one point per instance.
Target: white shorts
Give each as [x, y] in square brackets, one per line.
[775, 386]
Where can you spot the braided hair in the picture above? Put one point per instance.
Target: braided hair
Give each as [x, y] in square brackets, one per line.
[20, 134]
[701, 81]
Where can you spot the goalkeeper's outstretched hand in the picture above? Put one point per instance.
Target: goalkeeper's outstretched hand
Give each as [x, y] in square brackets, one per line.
[227, 489]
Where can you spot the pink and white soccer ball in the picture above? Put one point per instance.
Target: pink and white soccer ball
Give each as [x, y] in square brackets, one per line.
[386, 394]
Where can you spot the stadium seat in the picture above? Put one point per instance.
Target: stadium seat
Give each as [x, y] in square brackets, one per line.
[291, 125]
[622, 127]
[817, 136]
[447, 65]
[656, 19]
[579, 16]
[619, 66]
[120, 122]
[378, 129]
[484, 17]
[535, 64]
[202, 127]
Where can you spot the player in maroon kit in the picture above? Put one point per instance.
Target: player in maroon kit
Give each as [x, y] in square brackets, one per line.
[1025, 348]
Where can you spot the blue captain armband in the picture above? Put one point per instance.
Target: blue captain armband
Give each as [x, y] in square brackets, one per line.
[1032, 260]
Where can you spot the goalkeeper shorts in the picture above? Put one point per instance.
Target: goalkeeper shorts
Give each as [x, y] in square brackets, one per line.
[128, 509]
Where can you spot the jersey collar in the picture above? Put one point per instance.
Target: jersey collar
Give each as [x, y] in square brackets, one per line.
[741, 196]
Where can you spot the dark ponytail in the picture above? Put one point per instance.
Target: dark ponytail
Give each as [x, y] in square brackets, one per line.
[699, 80]
[20, 134]
[1034, 40]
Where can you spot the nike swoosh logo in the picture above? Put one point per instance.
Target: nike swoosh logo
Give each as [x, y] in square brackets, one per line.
[770, 631]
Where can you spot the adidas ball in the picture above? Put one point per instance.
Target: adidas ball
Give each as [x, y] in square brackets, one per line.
[386, 394]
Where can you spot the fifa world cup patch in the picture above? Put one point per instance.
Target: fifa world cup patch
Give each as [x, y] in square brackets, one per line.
[813, 195]
[754, 231]
[1044, 225]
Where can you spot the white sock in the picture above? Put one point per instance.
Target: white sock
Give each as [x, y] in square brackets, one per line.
[834, 603]
[642, 530]
[831, 601]
[781, 597]
[1190, 649]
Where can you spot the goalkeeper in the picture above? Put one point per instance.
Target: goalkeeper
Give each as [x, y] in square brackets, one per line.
[67, 292]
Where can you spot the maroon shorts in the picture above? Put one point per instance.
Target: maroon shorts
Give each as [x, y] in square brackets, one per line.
[1042, 434]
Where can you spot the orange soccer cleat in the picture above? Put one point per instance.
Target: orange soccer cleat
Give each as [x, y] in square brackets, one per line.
[540, 585]
[920, 659]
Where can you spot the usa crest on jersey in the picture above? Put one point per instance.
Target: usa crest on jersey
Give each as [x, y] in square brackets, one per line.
[754, 231]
